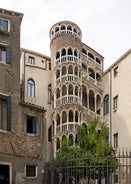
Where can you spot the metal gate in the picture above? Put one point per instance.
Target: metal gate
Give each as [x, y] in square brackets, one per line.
[83, 171]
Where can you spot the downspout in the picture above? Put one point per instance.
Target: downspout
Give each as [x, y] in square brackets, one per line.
[41, 136]
[111, 108]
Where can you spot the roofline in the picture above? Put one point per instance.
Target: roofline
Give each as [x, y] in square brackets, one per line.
[34, 52]
[93, 50]
[12, 12]
[117, 61]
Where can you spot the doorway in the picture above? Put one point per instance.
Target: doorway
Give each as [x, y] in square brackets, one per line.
[4, 174]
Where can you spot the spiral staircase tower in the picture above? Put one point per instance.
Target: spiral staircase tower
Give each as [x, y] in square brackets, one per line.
[74, 99]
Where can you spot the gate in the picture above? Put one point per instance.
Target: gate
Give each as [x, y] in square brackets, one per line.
[117, 170]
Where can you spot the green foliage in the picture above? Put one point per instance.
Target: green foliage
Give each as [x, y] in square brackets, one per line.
[91, 149]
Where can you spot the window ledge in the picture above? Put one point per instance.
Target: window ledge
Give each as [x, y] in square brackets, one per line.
[4, 131]
[6, 33]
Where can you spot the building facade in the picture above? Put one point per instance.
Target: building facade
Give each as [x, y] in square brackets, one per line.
[43, 99]
[76, 75]
[23, 147]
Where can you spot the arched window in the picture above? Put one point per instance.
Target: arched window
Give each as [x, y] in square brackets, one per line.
[63, 27]
[92, 100]
[69, 28]
[58, 119]
[63, 70]
[84, 51]
[70, 51]
[31, 88]
[56, 29]
[64, 117]
[91, 55]
[63, 52]
[57, 143]
[57, 74]
[71, 140]
[64, 90]
[106, 105]
[57, 55]
[70, 116]
[98, 61]
[84, 96]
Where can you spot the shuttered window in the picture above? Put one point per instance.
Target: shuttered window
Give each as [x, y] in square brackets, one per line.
[31, 122]
[5, 54]
[5, 113]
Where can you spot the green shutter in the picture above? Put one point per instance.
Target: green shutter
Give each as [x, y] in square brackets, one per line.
[9, 113]
[34, 125]
[8, 55]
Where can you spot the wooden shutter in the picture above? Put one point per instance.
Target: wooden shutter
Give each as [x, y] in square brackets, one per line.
[8, 55]
[34, 125]
[9, 113]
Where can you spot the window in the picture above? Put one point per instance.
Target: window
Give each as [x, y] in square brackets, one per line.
[31, 171]
[106, 105]
[3, 25]
[115, 103]
[31, 122]
[115, 71]
[115, 140]
[31, 88]
[50, 134]
[115, 178]
[5, 113]
[5, 54]
[31, 60]
[49, 93]
[49, 66]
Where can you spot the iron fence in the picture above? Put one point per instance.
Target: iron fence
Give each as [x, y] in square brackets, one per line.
[110, 170]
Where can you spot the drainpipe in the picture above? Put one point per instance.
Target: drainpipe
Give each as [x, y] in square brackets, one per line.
[41, 136]
[110, 107]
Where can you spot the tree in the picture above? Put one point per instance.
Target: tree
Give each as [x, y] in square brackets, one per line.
[92, 157]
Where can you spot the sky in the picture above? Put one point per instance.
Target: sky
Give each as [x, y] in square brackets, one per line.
[105, 24]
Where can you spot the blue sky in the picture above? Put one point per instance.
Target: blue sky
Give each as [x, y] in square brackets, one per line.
[105, 24]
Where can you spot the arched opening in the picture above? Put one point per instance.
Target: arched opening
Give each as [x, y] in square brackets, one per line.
[106, 104]
[84, 68]
[56, 29]
[64, 90]
[57, 74]
[70, 89]
[57, 93]
[64, 117]
[63, 70]
[63, 27]
[84, 96]
[91, 73]
[64, 137]
[63, 52]
[92, 100]
[57, 143]
[57, 55]
[84, 51]
[69, 28]
[70, 116]
[31, 88]
[98, 104]
[98, 61]
[71, 140]
[91, 55]
[75, 53]
[76, 116]
[75, 30]
[98, 77]
[76, 70]
[76, 90]
[70, 52]
[70, 69]
[58, 119]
